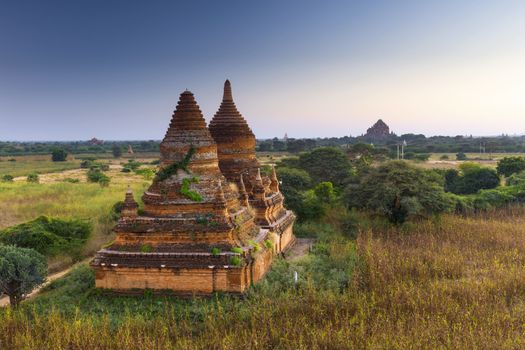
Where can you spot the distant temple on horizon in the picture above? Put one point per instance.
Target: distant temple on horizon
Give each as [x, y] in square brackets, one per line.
[211, 221]
[378, 131]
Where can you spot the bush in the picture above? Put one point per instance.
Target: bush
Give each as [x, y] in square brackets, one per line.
[49, 236]
[422, 157]
[471, 179]
[510, 165]
[7, 178]
[58, 155]
[444, 157]
[96, 175]
[215, 251]
[146, 173]
[71, 180]
[461, 156]
[33, 178]
[117, 151]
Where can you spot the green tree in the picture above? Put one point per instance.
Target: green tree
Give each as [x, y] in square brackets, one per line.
[58, 155]
[399, 190]
[117, 151]
[461, 156]
[471, 178]
[293, 183]
[510, 165]
[327, 164]
[21, 270]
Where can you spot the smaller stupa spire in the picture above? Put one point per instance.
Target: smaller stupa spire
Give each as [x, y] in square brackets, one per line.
[130, 207]
[243, 193]
[274, 184]
[220, 193]
[259, 190]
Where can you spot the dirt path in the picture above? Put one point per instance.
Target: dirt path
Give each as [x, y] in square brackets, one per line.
[4, 301]
[300, 248]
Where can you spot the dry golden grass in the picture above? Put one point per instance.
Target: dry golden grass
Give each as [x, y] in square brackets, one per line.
[449, 283]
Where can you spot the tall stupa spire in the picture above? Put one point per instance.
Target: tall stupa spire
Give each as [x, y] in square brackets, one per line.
[188, 130]
[235, 140]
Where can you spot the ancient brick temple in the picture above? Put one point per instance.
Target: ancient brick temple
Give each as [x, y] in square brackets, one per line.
[211, 222]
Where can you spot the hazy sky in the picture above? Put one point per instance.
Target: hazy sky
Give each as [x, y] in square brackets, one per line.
[75, 69]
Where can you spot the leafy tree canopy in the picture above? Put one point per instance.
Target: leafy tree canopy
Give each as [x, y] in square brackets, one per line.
[327, 164]
[58, 155]
[398, 190]
[21, 270]
[510, 165]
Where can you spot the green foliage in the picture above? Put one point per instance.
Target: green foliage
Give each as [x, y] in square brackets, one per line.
[471, 179]
[33, 178]
[97, 176]
[235, 260]
[21, 270]
[268, 244]
[71, 180]
[256, 246]
[516, 179]
[444, 157]
[398, 190]
[117, 151]
[422, 157]
[147, 173]
[131, 165]
[146, 248]
[293, 182]
[329, 267]
[59, 155]
[116, 210]
[7, 178]
[324, 191]
[237, 250]
[172, 169]
[215, 251]
[185, 189]
[328, 164]
[49, 236]
[461, 156]
[510, 165]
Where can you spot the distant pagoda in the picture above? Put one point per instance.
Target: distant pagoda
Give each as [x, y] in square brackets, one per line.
[198, 232]
[377, 131]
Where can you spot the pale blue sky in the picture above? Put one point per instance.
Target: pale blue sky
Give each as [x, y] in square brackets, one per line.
[114, 69]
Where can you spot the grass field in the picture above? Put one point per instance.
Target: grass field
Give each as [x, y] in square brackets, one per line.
[21, 201]
[39, 164]
[453, 283]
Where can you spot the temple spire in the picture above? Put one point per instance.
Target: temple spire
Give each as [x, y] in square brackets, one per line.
[130, 207]
[274, 184]
[242, 192]
[227, 95]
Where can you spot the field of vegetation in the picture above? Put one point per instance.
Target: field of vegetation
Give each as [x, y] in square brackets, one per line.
[66, 195]
[455, 283]
[23, 166]
[404, 258]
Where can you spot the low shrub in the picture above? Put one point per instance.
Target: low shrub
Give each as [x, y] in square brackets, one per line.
[33, 178]
[7, 178]
[49, 236]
